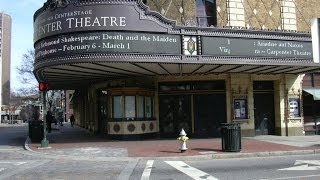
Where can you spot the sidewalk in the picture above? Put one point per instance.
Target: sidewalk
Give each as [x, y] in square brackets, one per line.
[78, 142]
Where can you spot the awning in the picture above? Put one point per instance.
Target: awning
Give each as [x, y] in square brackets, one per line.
[314, 92]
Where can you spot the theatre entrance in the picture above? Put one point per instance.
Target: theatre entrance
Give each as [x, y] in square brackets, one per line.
[197, 107]
[209, 113]
[175, 114]
[264, 118]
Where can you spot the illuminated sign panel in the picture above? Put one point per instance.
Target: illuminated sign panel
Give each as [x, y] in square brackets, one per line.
[108, 42]
[221, 46]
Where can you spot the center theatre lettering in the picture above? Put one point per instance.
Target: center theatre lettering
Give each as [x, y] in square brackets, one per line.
[73, 22]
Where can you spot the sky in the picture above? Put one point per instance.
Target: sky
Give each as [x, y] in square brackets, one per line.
[21, 12]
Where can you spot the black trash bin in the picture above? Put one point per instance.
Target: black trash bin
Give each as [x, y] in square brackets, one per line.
[36, 131]
[231, 137]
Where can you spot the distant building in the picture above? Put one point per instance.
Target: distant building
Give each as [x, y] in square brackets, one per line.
[5, 57]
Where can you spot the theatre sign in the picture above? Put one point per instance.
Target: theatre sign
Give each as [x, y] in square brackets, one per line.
[103, 28]
[75, 28]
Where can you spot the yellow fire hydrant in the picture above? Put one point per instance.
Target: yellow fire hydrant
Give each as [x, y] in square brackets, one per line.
[183, 138]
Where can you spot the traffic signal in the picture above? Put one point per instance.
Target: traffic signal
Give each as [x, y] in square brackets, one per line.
[43, 86]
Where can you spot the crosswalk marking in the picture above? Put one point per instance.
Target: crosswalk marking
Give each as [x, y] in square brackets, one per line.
[13, 162]
[300, 165]
[16, 163]
[147, 170]
[190, 171]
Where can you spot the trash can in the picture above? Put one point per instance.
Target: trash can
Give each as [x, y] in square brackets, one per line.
[231, 137]
[36, 131]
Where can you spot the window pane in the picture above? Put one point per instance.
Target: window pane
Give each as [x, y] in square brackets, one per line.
[140, 106]
[201, 11]
[148, 107]
[130, 107]
[206, 12]
[117, 107]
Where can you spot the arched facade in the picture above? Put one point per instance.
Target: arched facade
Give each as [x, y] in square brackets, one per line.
[136, 73]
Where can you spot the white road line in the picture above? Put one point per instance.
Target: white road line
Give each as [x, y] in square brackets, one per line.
[2, 169]
[9, 149]
[14, 163]
[147, 170]
[304, 165]
[190, 171]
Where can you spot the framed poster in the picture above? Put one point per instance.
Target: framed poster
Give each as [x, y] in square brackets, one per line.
[294, 107]
[240, 109]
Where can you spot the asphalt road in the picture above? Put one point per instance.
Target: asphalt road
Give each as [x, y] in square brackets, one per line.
[17, 163]
[270, 168]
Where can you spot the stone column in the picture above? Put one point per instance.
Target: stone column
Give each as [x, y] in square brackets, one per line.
[288, 15]
[236, 13]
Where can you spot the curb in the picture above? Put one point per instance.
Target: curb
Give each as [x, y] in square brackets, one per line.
[266, 154]
[193, 158]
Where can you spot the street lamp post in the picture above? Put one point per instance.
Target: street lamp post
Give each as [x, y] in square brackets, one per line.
[44, 142]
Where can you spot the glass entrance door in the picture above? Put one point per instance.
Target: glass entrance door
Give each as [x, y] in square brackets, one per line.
[264, 113]
[102, 113]
[175, 114]
[209, 112]
[264, 119]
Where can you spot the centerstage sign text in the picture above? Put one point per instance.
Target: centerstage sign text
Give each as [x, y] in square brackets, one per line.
[108, 42]
[91, 18]
[220, 46]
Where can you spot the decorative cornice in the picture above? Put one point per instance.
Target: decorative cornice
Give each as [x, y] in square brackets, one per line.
[54, 4]
[146, 13]
[156, 58]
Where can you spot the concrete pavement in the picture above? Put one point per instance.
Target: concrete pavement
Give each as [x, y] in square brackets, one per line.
[78, 143]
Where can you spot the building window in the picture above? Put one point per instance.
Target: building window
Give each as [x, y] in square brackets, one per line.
[148, 107]
[132, 107]
[140, 106]
[117, 107]
[206, 12]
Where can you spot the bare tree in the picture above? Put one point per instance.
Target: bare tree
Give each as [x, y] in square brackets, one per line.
[26, 74]
[30, 83]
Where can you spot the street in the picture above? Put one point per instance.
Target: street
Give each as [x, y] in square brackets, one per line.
[271, 168]
[18, 163]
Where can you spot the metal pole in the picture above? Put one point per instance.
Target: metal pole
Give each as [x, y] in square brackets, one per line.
[44, 142]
